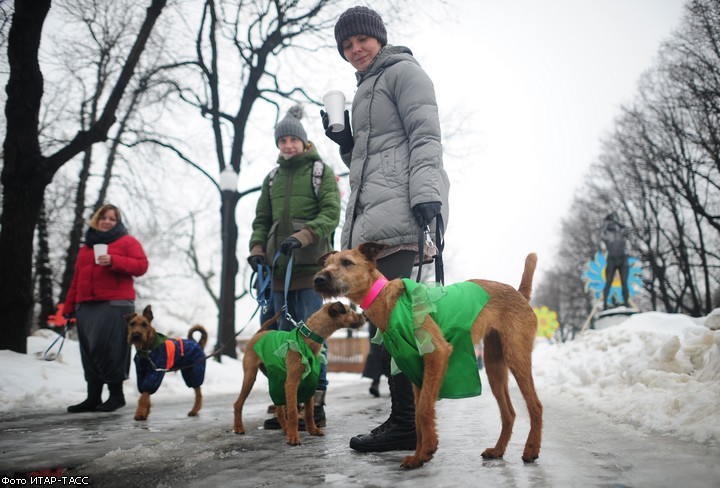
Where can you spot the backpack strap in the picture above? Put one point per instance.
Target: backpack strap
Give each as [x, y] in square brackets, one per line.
[318, 171]
[317, 176]
[271, 177]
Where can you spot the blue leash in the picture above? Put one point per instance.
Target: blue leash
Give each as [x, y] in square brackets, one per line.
[261, 282]
[46, 355]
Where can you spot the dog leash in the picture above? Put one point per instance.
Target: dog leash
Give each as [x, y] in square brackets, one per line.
[61, 335]
[261, 282]
[172, 370]
[424, 235]
[304, 330]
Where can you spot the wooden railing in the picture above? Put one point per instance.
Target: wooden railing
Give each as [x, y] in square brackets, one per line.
[345, 354]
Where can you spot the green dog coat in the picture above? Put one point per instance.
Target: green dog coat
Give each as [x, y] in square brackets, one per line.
[453, 308]
[273, 348]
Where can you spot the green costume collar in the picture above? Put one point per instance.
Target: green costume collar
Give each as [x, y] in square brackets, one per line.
[308, 333]
[158, 342]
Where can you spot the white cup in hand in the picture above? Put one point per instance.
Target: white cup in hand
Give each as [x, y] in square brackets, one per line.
[100, 250]
[334, 101]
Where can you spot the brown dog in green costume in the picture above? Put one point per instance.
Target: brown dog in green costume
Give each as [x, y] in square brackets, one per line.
[430, 331]
[291, 360]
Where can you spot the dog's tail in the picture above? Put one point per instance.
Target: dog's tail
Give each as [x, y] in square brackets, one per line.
[269, 322]
[527, 277]
[203, 334]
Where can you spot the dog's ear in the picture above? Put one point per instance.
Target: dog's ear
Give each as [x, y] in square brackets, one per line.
[128, 316]
[321, 260]
[336, 308]
[370, 250]
[148, 313]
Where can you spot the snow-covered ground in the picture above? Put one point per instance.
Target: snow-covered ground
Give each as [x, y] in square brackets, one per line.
[659, 372]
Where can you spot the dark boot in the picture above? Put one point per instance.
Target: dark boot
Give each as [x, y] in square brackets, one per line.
[397, 433]
[274, 424]
[375, 388]
[318, 411]
[116, 400]
[93, 400]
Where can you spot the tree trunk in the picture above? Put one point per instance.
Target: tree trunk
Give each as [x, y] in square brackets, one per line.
[26, 172]
[43, 271]
[226, 316]
[22, 179]
[75, 235]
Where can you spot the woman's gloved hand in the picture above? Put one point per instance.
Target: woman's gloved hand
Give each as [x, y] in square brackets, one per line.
[425, 212]
[344, 138]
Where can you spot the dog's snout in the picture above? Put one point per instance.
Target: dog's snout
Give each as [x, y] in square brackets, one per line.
[320, 279]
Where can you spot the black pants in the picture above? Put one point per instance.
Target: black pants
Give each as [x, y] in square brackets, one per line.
[102, 333]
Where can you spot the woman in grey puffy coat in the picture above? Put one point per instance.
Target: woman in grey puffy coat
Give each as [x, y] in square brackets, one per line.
[397, 180]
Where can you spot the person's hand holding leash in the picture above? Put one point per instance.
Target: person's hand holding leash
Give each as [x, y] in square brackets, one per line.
[344, 138]
[256, 260]
[426, 212]
[287, 246]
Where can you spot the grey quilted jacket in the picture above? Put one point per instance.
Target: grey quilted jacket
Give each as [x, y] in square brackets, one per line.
[396, 162]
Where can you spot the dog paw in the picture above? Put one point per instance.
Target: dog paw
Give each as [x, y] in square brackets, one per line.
[293, 441]
[411, 462]
[192, 413]
[317, 432]
[140, 417]
[492, 453]
[530, 456]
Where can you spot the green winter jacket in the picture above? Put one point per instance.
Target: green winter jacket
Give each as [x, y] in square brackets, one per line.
[453, 308]
[291, 208]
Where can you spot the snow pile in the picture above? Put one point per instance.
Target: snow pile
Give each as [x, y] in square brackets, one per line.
[36, 384]
[656, 371]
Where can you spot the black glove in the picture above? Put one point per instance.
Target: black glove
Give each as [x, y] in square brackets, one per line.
[344, 138]
[287, 246]
[256, 260]
[426, 212]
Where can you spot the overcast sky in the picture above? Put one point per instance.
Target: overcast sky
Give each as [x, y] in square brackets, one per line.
[535, 85]
[526, 90]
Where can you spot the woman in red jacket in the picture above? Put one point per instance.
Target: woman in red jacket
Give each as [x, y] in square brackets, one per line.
[100, 294]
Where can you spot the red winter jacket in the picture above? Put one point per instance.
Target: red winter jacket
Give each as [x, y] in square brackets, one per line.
[92, 282]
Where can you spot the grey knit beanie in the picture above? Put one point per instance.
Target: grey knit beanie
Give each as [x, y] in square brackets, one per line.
[291, 126]
[356, 21]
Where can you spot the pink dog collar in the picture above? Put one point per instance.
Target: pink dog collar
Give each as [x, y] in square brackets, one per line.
[374, 292]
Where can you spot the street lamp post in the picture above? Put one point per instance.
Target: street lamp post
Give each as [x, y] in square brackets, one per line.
[229, 264]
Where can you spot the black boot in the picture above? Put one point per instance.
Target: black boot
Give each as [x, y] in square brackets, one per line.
[375, 388]
[93, 400]
[397, 433]
[116, 400]
[318, 411]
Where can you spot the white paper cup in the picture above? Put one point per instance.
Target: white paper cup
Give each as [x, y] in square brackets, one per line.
[100, 250]
[334, 101]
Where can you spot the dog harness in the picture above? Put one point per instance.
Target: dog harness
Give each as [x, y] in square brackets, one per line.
[180, 353]
[453, 308]
[273, 349]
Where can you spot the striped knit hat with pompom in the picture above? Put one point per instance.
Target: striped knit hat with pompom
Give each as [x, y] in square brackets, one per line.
[291, 126]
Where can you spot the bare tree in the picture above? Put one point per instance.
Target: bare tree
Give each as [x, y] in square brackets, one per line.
[660, 169]
[26, 170]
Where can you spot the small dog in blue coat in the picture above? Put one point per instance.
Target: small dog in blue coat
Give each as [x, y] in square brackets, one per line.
[156, 354]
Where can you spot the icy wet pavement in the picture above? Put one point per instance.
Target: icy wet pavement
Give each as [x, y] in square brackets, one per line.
[170, 449]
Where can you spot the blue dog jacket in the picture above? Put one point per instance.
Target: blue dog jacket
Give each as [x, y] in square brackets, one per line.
[167, 354]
